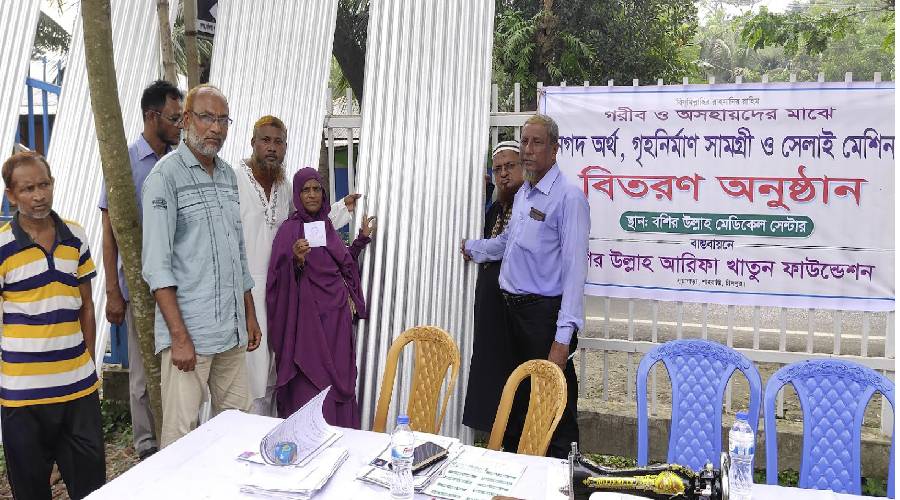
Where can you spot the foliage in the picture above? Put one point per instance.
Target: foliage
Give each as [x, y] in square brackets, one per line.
[814, 28]
[787, 477]
[593, 40]
[349, 49]
[613, 461]
[718, 50]
[337, 81]
[558, 41]
[874, 487]
[115, 418]
[204, 46]
[50, 37]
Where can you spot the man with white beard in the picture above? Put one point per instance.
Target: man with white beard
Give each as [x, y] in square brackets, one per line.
[266, 201]
[196, 266]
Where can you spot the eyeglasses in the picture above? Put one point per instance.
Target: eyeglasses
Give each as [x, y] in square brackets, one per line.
[174, 119]
[506, 167]
[208, 119]
[311, 190]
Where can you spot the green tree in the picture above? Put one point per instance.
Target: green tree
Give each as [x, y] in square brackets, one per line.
[349, 47]
[720, 50]
[595, 40]
[50, 37]
[204, 47]
[551, 41]
[811, 28]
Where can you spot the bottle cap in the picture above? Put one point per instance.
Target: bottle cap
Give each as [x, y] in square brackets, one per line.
[402, 420]
[741, 415]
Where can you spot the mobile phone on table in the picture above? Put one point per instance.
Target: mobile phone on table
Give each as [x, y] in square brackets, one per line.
[425, 454]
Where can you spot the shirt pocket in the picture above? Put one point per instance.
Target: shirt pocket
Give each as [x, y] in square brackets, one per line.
[537, 236]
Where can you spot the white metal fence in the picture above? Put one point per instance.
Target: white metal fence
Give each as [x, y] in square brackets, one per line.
[617, 328]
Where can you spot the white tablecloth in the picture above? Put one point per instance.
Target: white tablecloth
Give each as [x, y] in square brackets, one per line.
[202, 465]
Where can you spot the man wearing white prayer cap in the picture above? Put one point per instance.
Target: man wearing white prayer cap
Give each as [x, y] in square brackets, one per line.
[266, 200]
[491, 362]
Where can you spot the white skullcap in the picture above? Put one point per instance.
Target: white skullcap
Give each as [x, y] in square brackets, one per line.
[506, 146]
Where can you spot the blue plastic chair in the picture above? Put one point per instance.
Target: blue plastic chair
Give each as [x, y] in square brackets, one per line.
[699, 371]
[833, 395]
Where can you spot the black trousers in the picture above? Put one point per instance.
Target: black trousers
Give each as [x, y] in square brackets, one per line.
[69, 433]
[531, 323]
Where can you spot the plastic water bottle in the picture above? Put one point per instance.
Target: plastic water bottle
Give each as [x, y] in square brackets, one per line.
[741, 445]
[402, 445]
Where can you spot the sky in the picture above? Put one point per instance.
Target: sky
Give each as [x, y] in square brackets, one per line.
[67, 17]
[771, 5]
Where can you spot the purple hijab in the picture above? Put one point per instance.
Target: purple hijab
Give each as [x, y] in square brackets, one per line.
[293, 298]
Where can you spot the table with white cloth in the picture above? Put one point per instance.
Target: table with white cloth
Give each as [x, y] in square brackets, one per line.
[203, 465]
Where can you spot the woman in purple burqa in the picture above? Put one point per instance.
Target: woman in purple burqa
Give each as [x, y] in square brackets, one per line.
[313, 295]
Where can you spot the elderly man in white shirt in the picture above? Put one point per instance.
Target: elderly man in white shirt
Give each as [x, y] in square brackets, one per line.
[266, 201]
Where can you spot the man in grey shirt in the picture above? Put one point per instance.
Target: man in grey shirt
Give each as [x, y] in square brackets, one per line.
[196, 266]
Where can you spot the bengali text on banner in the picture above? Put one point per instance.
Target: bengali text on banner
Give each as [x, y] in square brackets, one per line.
[752, 194]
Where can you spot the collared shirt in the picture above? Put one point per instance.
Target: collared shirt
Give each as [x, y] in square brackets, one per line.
[193, 241]
[544, 247]
[261, 216]
[45, 359]
[142, 159]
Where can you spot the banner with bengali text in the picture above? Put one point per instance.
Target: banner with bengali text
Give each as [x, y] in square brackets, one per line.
[748, 194]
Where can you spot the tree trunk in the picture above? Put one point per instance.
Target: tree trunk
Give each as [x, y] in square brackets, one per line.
[101, 72]
[192, 53]
[165, 41]
[323, 165]
[546, 38]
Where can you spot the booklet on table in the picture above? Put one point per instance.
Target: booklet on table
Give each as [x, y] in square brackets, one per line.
[295, 459]
[301, 436]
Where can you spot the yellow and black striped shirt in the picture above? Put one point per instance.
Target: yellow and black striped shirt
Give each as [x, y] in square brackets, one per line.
[44, 359]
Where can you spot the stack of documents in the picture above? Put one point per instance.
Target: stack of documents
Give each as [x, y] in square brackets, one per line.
[306, 430]
[474, 477]
[308, 462]
[382, 474]
[292, 482]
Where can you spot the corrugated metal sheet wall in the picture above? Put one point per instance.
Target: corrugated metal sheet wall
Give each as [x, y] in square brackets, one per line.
[274, 58]
[74, 153]
[422, 150]
[19, 23]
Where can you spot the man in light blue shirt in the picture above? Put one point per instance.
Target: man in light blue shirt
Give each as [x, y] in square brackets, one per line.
[195, 263]
[161, 107]
[543, 249]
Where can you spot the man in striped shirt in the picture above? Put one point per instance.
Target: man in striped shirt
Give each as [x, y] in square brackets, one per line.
[48, 382]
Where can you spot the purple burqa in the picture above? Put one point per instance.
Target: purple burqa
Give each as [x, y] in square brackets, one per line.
[309, 313]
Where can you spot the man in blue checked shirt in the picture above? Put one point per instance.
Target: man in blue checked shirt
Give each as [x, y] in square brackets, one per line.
[543, 273]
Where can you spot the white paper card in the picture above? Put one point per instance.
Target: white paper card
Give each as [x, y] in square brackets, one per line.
[314, 232]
